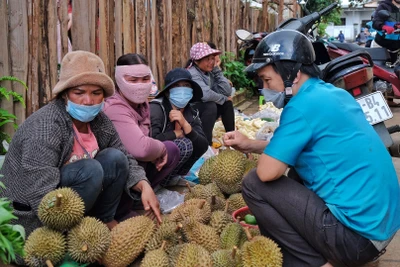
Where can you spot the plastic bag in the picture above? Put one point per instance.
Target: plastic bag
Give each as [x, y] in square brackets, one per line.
[169, 200]
[266, 131]
[266, 114]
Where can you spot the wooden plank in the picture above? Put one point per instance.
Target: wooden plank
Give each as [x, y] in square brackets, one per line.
[118, 30]
[81, 35]
[111, 38]
[147, 27]
[63, 18]
[52, 21]
[185, 44]
[103, 34]
[215, 23]
[221, 25]
[18, 21]
[153, 31]
[140, 15]
[128, 27]
[280, 10]
[167, 20]
[91, 12]
[32, 102]
[44, 69]
[5, 65]
[228, 25]
[160, 54]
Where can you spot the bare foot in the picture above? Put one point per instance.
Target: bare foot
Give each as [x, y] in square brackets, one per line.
[327, 265]
[112, 224]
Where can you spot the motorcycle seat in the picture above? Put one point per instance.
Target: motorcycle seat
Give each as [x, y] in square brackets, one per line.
[377, 53]
[338, 68]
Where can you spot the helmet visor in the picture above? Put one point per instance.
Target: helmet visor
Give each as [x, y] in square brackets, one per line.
[253, 67]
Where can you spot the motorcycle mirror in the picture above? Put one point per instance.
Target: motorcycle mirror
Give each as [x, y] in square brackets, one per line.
[384, 14]
[244, 35]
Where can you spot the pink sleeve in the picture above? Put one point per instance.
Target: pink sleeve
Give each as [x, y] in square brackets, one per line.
[140, 146]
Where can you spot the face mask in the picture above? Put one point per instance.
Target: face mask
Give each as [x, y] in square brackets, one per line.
[180, 96]
[277, 98]
[83, 113]
[135, 92]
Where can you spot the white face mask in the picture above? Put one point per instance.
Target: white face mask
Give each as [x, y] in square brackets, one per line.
[277, 98]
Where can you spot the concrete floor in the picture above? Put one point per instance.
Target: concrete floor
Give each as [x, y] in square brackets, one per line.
[392, 256]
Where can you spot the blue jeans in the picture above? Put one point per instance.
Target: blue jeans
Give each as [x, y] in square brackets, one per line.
[99, 181]
[302, 225]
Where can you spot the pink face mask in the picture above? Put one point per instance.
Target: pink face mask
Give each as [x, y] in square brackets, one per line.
[135, 92]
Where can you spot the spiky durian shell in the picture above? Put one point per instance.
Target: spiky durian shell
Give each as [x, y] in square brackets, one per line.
[201, 234]
[128, 240]
[205, 172]
[249, 165]
[226, 257]
[65, 216]
[193, 255]
[195, 192]
[173, 254]
[228, 171]
[166, 232]
[217, 204]
[261, 251]
[44, 244]
[219, 219]
[89, 240]
[191, 209]
[236, 202]
[155, 258]
[233, 235]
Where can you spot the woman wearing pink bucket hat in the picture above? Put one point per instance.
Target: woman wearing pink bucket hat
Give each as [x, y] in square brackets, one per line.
[217, 100]
[71, 143]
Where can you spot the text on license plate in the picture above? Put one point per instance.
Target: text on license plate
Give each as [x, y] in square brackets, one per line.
[375, 108]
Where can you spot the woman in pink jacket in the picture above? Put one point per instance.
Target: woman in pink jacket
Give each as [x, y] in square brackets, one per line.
[129, 111]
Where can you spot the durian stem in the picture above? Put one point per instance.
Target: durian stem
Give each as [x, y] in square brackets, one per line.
[248, 234]
[178, 227]
[84, 248]
[213, 201]
[238, 219]
[188, 186]
[180, 241]
[58, 200]
[201, 204]
[49, 264]
[234, 251]
[164, 243]
[226, 206]
[182, 215]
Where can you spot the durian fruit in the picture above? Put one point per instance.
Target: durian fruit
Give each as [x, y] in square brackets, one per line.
[173, 253]
[228, 171]
[128, 240]
[233, 235]
[258, 249]
[198, 209]
[212, 189]
[44, 246]
[89, 240]
[168, 232]
[156, 258]
[254, 232]
[249, 165]
[261, 251]
[201, 234]
[253, 156]
[193, 255]
[205, 172]
[216, 203]
[194, 192]
[220, 218]
[236, 202]
[226, 257]
[61, 209]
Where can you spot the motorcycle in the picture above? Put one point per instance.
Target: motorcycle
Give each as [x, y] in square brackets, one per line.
[352, 72]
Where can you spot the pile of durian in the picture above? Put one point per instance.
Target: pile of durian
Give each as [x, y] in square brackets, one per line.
[199, 232]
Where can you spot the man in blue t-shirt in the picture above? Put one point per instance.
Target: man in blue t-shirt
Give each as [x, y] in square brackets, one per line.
[341, 205]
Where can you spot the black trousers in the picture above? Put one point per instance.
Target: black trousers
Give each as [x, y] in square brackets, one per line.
[210, 111]
[302, 225]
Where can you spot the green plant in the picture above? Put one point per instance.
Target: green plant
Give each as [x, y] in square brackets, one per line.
[234, 71]
[12, 237]
[5, 116]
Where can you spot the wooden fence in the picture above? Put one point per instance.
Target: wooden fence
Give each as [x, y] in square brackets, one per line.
[162, 30]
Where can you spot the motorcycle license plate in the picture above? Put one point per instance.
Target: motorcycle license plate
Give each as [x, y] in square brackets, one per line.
[375, 108]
